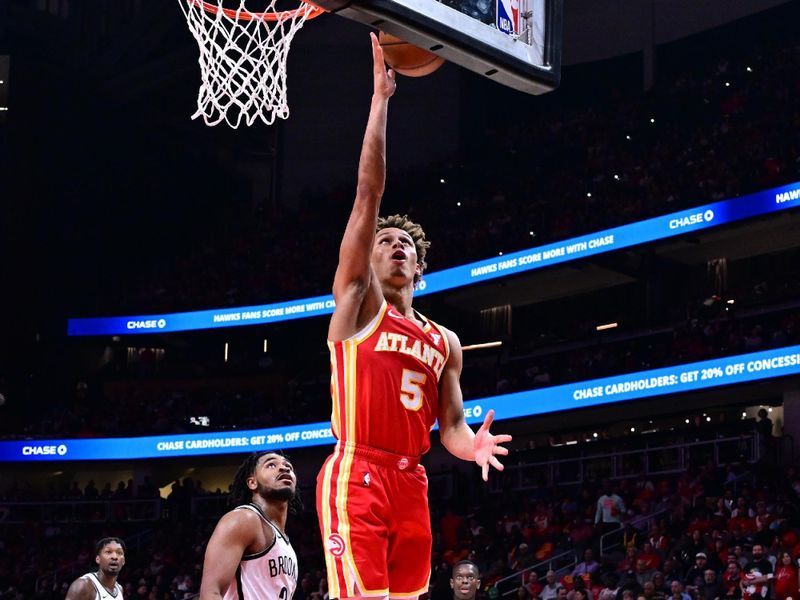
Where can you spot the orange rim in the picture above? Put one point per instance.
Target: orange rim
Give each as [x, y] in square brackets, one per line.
[243, 15]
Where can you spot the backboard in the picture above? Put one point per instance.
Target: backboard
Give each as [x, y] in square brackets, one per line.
[514, 42]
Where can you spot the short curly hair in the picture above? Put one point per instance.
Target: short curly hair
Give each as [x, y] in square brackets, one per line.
[98, 548]
[415, 231]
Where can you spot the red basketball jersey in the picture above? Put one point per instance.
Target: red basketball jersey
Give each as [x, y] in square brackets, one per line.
[385, 383]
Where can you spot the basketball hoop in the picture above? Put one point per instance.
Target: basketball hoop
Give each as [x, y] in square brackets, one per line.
[243, 59]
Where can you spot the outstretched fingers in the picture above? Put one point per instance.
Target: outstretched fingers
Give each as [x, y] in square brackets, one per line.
[487, 446]
[485, 467]
[383, 77]
[496, 463]
[488, 420]
[377, 54]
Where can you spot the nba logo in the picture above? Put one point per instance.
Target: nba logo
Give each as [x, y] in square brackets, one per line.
[508, 16]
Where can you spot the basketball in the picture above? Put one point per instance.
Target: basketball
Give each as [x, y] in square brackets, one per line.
[407, 59]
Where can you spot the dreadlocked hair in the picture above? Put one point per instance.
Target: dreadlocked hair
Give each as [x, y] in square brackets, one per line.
[415, 231]
[242, 494]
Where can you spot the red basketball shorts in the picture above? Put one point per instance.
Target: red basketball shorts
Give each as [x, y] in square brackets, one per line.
[375, 524]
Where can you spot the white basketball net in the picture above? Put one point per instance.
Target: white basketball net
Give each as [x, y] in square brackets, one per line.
[243, 60]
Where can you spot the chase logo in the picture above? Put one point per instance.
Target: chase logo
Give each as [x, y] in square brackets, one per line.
[44, 450]
[508, 16]
[147, 324]
[693, 219]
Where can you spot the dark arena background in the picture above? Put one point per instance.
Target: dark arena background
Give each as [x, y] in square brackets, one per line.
[620, 258]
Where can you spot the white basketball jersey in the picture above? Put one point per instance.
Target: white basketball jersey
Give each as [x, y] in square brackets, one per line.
[102, 592]
[267, 575]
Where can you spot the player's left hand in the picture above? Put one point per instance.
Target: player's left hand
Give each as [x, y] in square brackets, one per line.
[487, 447]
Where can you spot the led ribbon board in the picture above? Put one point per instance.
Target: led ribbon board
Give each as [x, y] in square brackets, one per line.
[632, 386]
[657, 228]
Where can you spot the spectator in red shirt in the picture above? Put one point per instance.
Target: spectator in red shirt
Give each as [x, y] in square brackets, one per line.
[787, 583]
[649, 556]
[532, 584]
[580, 532]
[741, 517]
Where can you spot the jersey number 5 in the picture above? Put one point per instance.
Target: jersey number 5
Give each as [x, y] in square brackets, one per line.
[411, 389]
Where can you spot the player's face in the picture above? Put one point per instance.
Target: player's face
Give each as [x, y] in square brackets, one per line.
[394, 257]
[465, 582]
[111, 558]
[274, 477]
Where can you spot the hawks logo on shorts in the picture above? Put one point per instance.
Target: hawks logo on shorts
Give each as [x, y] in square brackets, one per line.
[335, 544]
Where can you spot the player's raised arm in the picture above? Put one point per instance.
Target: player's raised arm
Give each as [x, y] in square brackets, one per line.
[231, 537]
[357, 295]
[457, 437]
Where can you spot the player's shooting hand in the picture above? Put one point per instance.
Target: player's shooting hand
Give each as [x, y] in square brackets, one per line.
[383, 77]
[487, 446]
